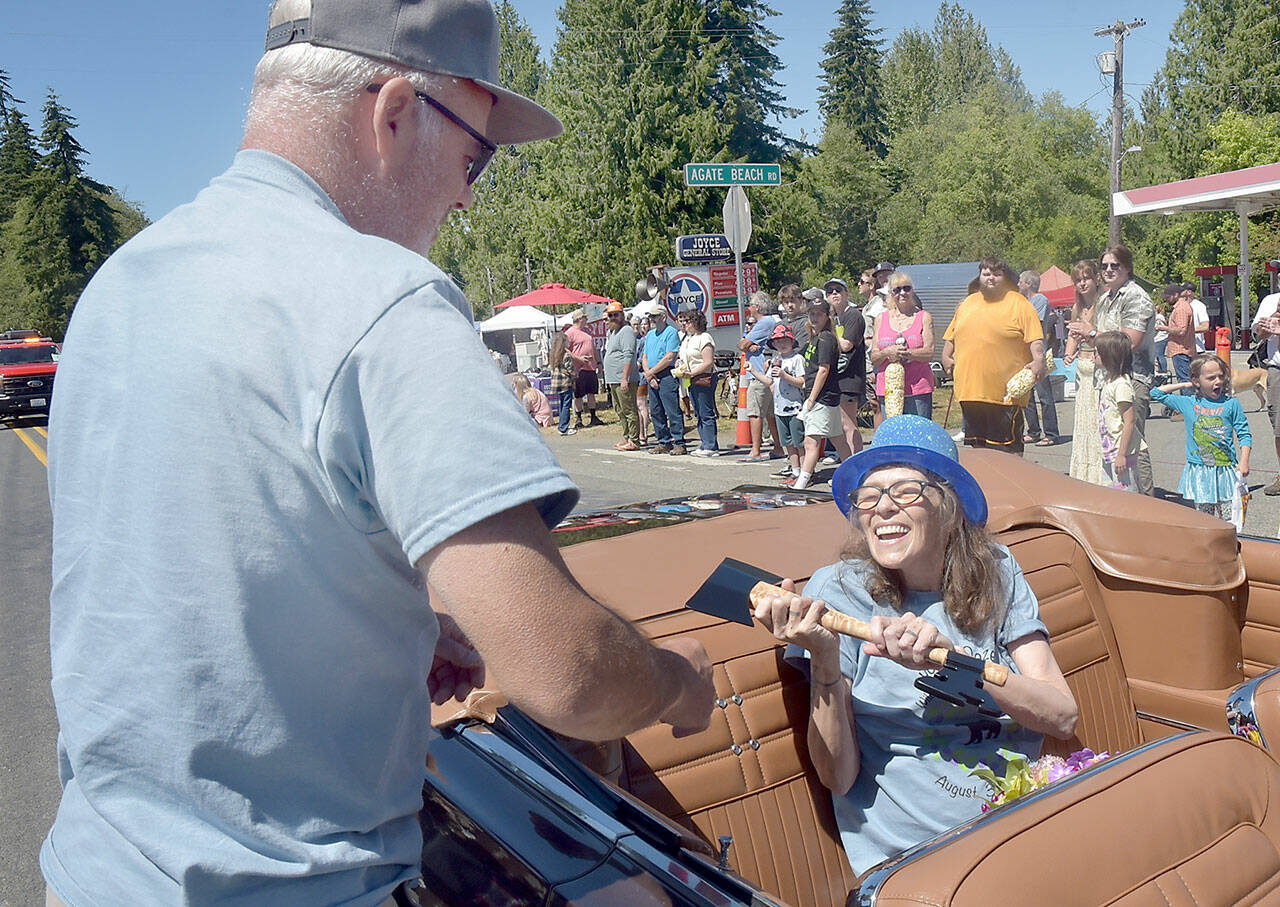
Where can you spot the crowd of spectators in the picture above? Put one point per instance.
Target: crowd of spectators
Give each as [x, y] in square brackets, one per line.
[824, 365]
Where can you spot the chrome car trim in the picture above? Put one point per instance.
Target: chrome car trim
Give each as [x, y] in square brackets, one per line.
[1171, 722]
[1242, 714]
[869, 891]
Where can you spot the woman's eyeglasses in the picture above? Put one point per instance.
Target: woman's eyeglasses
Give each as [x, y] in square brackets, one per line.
[902, 291]
[901, 492]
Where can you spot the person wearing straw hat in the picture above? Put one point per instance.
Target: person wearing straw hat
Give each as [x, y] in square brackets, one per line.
[244, 651]
[620, 374]
[920, 567]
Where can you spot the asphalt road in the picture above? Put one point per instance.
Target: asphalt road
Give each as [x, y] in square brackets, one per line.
[28, 727]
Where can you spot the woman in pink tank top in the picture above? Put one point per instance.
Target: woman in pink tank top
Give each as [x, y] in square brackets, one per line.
[904, 333]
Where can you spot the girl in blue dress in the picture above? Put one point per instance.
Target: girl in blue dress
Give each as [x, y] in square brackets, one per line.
[1215, 423]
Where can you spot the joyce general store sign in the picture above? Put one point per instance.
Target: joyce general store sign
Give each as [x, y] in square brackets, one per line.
[711, 289]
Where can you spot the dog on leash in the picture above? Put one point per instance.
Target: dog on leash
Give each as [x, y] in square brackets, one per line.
[1254, 379]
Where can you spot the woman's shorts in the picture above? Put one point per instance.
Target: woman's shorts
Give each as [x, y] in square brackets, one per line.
[792, 431]
[586, 382]
[823, 422]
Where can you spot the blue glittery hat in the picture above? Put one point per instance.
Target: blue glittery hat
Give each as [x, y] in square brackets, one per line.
[910, 440]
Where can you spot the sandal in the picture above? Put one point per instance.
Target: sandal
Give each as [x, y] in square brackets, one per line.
[1029, 439]
[1045, 442]
[762, 458]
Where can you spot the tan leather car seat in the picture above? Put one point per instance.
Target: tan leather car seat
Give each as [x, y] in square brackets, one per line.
[1191, 820]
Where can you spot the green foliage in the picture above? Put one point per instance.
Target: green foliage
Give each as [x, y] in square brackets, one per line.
[56, 224]
[850, 92]
[1212, 107]
[979, 178]
[744, 89]
[928, 72]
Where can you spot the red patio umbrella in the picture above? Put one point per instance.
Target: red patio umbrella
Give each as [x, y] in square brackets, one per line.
[1056, 284]
[553, 294]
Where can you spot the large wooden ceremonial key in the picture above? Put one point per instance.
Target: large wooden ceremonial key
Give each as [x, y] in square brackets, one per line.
[860, 629]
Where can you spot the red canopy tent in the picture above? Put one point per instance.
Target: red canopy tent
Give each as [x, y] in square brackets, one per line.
[1056, 284]
[553, 294]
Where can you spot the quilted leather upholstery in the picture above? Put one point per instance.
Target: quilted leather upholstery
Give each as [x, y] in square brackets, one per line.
[1202, 811]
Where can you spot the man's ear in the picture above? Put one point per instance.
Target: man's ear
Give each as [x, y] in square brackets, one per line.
[394, 124]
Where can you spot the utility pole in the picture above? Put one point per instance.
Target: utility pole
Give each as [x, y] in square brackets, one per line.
[1119, 30]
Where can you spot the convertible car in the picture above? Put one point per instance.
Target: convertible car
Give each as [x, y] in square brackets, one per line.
[1166, 626]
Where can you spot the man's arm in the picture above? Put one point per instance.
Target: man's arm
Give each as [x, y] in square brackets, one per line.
[948, 356]
[562, 657]
[1036, 349]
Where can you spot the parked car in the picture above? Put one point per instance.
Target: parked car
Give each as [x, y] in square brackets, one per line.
[28, 364]
[1167, 629]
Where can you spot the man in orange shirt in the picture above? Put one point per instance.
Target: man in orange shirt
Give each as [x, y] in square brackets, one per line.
[995, 334]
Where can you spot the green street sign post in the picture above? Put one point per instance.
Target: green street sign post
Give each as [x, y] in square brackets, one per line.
[733, 174]
[737, 212]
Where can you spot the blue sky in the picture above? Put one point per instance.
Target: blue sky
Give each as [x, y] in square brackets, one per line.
[160, 88]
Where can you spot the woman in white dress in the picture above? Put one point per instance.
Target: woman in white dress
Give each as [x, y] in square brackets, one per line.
[1086, 441]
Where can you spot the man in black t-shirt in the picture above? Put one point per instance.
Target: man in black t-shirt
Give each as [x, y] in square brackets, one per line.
[821, 410]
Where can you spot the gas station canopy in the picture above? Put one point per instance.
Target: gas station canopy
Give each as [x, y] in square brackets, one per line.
[1246, 192]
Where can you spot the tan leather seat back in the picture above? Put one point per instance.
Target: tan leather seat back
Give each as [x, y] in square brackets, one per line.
[1189, 821]
[748, 775]
[1080, 634]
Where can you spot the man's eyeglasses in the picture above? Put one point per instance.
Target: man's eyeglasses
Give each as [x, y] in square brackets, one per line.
[1111, 266]
[487, 148]
[902, 291]
[902, 493]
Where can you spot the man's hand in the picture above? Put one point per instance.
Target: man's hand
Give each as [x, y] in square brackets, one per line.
[691, 712]
[457, 668]
[622, 387]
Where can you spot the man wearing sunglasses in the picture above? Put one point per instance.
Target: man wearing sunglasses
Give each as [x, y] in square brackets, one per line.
[244, 651]
[1124, 306]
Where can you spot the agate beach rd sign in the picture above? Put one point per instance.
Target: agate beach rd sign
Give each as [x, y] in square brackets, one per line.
[733, 174]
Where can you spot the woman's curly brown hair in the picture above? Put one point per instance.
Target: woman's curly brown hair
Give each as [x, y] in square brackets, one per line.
[972, 589]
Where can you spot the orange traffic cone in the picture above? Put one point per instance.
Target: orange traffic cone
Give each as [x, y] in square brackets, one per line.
[744, 424]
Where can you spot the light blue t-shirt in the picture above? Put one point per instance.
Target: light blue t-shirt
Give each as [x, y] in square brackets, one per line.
[759, 335]
[658, 343]
[264, 419]
[916, 750]
[1211, 425]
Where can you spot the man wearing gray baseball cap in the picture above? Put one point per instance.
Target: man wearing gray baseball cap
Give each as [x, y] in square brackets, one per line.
[262, 455]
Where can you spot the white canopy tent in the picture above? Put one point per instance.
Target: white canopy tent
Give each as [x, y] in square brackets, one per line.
[1252, 190]
[522, 318]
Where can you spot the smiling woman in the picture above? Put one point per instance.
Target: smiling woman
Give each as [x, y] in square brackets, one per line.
[921, 569]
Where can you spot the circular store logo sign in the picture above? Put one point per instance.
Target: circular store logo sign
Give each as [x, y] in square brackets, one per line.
[687, 292]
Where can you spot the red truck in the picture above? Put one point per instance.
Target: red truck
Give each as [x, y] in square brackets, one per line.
[28, 363]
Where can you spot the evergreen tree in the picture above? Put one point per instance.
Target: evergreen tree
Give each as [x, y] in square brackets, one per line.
[634, 84]
[7, 100]
[485, 248]
[64, 155]
[745, 90]
[850, 91]
[909, 72]
[17, 160]
[927, 73]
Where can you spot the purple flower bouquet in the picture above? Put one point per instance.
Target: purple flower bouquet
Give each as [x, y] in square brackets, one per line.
[1022, 777]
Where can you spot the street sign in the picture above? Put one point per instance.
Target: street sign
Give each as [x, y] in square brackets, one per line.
[703, 247]
[737, 219]
[733, 174]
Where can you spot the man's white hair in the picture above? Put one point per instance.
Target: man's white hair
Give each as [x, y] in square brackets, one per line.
[308, 82]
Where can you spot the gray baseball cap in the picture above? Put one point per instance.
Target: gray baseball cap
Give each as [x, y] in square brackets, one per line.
[453, 37]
